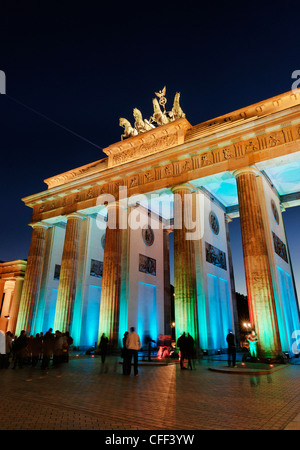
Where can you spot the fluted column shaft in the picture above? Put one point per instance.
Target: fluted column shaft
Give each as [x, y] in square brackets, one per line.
[167, 285]
[68, 275]
[184, 265]
[257, 267]
[111, 279]
[32, 280]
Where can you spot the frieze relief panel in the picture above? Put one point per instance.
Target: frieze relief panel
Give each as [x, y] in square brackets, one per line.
[280, 247]
[151, 142]
[147, 265]
[145, 149]
[215, 256]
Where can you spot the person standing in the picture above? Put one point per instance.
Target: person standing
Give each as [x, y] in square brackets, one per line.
[181, 344]
[68, 341]
[8, 347]
[48, 344]
[58, 349]
[231, 349]
[103, 347]
[20, 349]
[35, 350]
[190, 350]
[124, 354]
[133, 345]
[253, 339]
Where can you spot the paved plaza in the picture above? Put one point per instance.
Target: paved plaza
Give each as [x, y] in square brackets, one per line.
[84, 395]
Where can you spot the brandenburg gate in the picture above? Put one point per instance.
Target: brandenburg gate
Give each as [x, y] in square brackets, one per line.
[99, 254]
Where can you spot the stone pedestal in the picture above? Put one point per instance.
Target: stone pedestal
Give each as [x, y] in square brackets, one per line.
[257, 267]
[185, 302]
[68, 274]
[32, 281]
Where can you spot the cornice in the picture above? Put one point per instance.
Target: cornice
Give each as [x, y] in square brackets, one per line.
[252, 112]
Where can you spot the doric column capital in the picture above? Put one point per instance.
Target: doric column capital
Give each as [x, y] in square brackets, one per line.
[249, 170]
[180, 187]
[75, 215]
[115, 205]
[43, 225]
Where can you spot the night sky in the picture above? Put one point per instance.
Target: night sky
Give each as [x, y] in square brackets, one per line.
[85, 66]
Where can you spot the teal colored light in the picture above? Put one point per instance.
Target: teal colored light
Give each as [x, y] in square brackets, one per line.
[75, 327]
[293, 302]
[123, 317]
[147, 319]
[37, 325]
[286, 309]
[219, 311]
[90, 321]
[280, 303]
[49, 312]
[202, 319]
[225, 306]
[285, 177]
[223, 187]
[253, 347]
[214, 312]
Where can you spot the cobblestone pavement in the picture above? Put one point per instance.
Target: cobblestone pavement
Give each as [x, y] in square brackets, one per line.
[86, 396]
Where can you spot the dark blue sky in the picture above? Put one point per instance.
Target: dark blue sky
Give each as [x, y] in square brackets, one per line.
[85, 66]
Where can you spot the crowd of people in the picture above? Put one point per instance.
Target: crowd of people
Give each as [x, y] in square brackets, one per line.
[132, 345]
[40, 349]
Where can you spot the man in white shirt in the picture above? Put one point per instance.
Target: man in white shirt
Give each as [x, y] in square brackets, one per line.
[133, 345]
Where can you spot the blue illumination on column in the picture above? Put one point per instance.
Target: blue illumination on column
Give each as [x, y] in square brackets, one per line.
[90, 317]
[214, 312]
[219, 312]
[147, 320]
[49, 315]
[123, 315]
[286, 309]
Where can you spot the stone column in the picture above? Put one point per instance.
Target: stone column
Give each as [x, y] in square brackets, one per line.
[257, 267]
[32, 280]
[15, 303]
[185, 302]
[235, 317]
[111, 279]
[167, 285]
[9, 288]
[68, 274]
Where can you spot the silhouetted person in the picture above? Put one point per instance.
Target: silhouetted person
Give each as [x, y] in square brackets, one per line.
[48, 344]
[20, 350]
[182, 345]
[133, 345]
[231, 349]
[103, 347]
[67, 344]
[58, 348]
[190, 350]
[8, 348]
[148, 340]
[124, 355]
[36, 349]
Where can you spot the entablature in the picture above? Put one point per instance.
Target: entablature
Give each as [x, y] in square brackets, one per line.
[247, 143]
